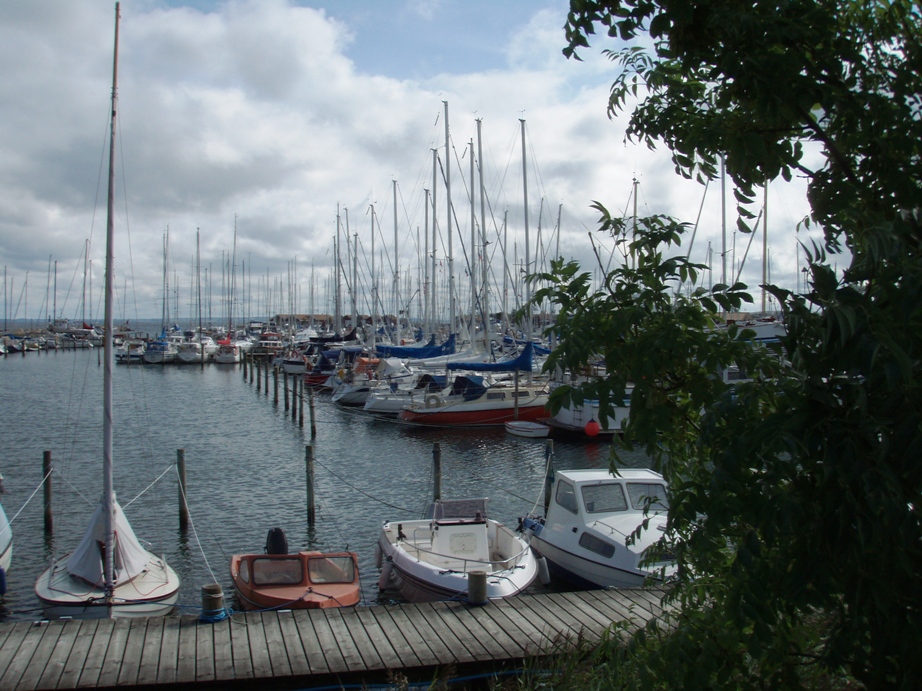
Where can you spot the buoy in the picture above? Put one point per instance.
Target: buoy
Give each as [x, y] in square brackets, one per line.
[592, 428]
[385, 577]
[544, 574]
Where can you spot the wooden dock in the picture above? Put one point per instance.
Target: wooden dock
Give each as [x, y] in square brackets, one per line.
[297, 649]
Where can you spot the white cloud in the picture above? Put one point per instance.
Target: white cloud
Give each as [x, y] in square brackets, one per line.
[256, 108]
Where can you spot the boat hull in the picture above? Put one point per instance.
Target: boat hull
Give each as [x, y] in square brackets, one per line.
[474, 416]
[150, 594]
[265, 581]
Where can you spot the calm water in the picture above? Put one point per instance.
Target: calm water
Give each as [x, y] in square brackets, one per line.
[245, 468]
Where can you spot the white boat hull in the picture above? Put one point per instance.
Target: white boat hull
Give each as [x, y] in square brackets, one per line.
[423, 576]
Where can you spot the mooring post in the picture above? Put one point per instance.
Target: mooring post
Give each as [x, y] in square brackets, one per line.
[285, 388]
[243, 359]
[437, 472]
[310, 400]
[294, 401]
[275, 385]
[301, 405]
[266, 389]
[183, 506]
[46, 473]
[252, 359]
[259, 374]
[549, 474]
[309, 461]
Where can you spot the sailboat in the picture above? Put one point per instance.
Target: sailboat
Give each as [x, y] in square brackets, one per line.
[6, 545]
[110, 573]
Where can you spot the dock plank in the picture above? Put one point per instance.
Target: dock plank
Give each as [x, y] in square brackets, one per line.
[131, 655]
[187, 651]
[442, 642]
[240, 648]
[482, 626]
[401, 632]
[11, 644]
[543, 635]
[92, 668]
[115, 651]
[294, 646]
[529, 636]
[323, 653]
[351, 636]
[385, 644]
[152, 649]
[259, 647]
[275, 646]
[22, 672]
[168, 667]
[219, 636]
[462, 646]
[83, 632]
[54, 664]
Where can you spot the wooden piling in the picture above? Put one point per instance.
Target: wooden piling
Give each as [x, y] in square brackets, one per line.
[266, 389]
[275, 384]
[549, 473]
[301, 405]
[183, 505]
[285, 387]
[294, 402]
[244, 358]
[309, 462]
[259, 374]
[46, 473]
[310, 400]
[436, 471]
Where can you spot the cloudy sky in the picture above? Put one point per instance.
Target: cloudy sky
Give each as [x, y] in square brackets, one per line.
[273, 114]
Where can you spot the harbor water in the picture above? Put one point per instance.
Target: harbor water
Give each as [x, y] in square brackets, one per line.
[245, 469]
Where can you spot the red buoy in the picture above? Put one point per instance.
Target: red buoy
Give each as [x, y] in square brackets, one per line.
[592, 428]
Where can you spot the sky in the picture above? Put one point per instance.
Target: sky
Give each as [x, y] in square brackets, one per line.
[285, 119]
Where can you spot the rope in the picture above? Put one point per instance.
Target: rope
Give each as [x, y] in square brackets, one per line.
[31, 496]
[362, 492]
[156, 480]
[194, 531]
[69, 484]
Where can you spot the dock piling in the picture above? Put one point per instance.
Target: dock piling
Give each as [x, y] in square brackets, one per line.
[309, 462]
[437, 471]
[46, 473]
[310, 400]
[183, 506]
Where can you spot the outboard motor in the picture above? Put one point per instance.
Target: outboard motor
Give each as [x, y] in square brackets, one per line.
[276, 542]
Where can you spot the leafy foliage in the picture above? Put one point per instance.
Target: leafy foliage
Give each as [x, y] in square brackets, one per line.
[795, 495]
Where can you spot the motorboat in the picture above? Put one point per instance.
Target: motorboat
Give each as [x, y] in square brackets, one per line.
[432, 558]
[590, 518]
[526, 428]
[278, 579]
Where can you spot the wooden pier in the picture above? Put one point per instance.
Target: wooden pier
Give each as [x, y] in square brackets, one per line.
[312, 648]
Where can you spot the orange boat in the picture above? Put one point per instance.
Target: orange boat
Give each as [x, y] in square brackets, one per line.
[302, 580]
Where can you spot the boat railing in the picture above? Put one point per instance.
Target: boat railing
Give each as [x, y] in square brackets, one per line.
[422, 536]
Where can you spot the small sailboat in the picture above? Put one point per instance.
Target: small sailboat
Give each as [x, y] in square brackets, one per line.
[110, 573]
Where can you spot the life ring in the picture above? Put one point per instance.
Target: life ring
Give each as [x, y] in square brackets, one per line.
[433, 401]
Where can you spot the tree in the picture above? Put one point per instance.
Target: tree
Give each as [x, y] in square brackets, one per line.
[795, 496]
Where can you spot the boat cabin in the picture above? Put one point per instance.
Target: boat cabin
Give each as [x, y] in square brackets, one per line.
[460, 534]
[303, 568]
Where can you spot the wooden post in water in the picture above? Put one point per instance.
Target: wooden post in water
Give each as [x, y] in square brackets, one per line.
[301, 404]
[183, 506]
[436, 472]
[259, 374]
[244, 361]
[266, 389]
[294, 401]
[275, 384]
[46, 473]
[309, 461]
[310, 400]
[549, 473]
[285, 387]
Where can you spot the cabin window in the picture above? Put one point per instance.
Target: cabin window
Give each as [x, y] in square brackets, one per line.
[597, 545]
[244, 570]
[604, 498]
[566, 497]
[653, 491]
[277, 571]
[496, 396]
[331, 569]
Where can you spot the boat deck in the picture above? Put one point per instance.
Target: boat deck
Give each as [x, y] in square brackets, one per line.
[289, 649]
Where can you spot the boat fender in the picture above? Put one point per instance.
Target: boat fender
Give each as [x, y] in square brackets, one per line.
[385, 577]
[2, 581]
[432, 401]
[379, 556]
[276, 542]
[544, 574]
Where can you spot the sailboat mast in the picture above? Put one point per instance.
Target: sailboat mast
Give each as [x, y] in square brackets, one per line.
[109, 354]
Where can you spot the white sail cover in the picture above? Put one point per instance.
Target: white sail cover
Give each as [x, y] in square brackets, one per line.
[6, 535]
[87, 562]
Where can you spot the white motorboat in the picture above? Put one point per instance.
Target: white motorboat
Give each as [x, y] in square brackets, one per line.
[525, 428]
[591, 515]
[432, 558]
